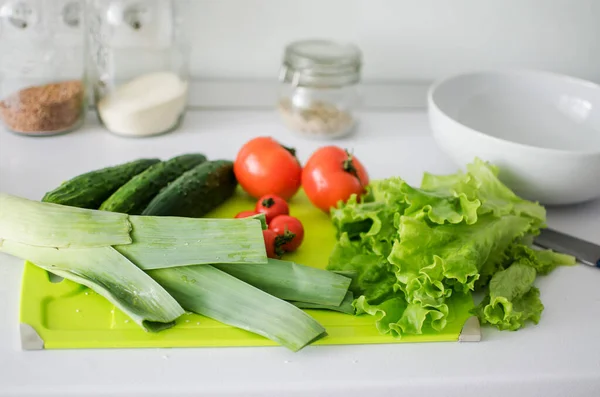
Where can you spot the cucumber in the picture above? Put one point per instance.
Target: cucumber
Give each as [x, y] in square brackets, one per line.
[134, 196]
[196, 192]
[89, 190]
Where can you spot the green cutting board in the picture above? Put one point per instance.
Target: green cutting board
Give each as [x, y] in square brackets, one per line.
[60, 315]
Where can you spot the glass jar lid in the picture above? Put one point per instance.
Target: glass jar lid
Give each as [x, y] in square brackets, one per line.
[319, 63]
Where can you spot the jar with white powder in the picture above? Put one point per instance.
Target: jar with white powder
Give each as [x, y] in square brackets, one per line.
[139, 70]
[319, 89]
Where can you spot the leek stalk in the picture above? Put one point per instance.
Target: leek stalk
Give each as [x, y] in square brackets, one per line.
[149, 242]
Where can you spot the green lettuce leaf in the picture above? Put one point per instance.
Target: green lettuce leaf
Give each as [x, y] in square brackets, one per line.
[439, 207]
[374, 223]
[481, 182]
[498, 198]
[373, 277]
[397, 317]
[413, 250]
[447, 184]
[543, 261]
[386, 313]
[394, 195]
[512, 299]
[425, 256]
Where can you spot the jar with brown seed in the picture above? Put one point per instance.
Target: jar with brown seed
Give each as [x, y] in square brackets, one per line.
[42, 68]
[319, 89]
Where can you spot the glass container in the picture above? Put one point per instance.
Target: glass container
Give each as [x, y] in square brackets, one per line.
[319, 88]
[42, 66]
[139, 64]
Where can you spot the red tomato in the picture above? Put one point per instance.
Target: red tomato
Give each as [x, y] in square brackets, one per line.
[290, 229]
[246, 214]
[332, 174]
[271, 206]
[264, 166]
[272, 244]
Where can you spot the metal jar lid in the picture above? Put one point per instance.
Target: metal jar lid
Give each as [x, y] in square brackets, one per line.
[321, 63]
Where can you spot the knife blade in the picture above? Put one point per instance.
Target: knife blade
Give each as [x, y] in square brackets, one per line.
[585, 251]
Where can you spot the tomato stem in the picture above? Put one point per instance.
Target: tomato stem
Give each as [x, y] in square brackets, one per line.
[290, 149]
[281, 240]
[268, 202]
[348, 166]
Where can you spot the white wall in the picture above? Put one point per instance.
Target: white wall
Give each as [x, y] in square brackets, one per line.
[401, 39]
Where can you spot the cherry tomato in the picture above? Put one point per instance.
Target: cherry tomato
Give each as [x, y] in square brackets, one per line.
[246, 214]
[332, 174]
[272, 244]
[264, 166]
[290, 229]
[271, 206]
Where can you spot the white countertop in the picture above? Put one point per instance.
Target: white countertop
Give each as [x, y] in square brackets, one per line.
[559, 357]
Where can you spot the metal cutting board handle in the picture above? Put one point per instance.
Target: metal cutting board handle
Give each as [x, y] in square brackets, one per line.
[584, 251]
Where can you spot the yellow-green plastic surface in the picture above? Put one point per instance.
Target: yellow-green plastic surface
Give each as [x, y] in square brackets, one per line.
[68, 315]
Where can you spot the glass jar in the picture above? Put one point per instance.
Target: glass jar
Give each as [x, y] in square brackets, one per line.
[140, 64]
[42, 66]
[319, 88]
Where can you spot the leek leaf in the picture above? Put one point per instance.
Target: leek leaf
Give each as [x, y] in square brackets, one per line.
[346, 306]
[262, 218]
[162, 242]
[293, 282]
[53, 225]
[109, 274]
[212, 293]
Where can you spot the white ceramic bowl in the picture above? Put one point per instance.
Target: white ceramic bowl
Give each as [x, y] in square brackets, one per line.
[541, 129]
